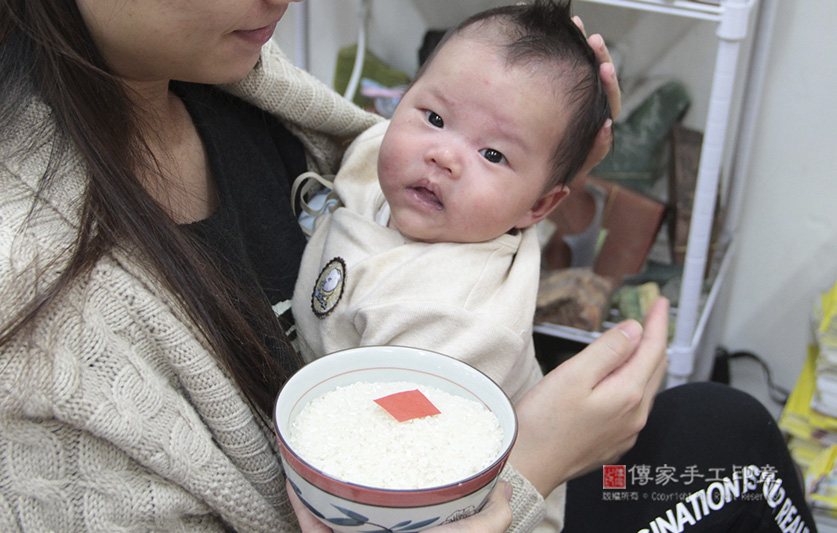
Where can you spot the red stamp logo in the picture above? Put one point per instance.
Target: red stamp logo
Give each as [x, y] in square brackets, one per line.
[613, 476]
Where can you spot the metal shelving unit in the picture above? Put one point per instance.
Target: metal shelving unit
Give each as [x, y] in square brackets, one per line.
[694, 308]
[681, 8]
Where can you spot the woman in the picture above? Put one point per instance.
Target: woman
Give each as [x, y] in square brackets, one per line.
[147, 247]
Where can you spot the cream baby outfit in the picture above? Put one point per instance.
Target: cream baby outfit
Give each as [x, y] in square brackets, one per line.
[362, 283]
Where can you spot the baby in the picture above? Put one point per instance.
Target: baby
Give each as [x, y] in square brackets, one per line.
[433, 244]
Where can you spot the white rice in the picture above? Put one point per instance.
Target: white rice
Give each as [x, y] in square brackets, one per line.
[347, 435]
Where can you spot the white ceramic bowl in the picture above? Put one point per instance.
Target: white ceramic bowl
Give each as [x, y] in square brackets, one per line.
[350, 508]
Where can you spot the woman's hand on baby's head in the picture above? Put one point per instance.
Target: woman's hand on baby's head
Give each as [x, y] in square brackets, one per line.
[607, 73]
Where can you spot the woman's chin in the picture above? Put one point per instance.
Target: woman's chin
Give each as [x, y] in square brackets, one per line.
[233, 68]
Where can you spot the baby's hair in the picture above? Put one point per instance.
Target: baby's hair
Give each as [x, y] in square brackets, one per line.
[542, 33]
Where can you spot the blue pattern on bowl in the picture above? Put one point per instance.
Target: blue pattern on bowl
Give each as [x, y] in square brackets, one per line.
[353, 519]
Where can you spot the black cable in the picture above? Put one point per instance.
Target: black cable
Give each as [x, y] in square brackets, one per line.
[777, 393]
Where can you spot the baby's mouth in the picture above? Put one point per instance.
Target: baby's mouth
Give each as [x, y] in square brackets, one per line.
[427, 197]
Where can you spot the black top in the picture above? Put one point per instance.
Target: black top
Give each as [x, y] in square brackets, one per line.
[253, 159]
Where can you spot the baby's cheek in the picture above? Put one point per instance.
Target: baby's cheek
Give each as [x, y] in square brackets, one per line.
[386, 166]
[491, 215]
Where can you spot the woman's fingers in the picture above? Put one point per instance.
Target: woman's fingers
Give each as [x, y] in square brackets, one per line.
[590, 409]
[607, 73]
[308, 523]
[494, 517]
[580, 24]
[657, 329]
[647, 363]
[640, 377]
[568, 423]
[601, 146]
[609, 353]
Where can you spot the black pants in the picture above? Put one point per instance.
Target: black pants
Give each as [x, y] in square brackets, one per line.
[711, 458]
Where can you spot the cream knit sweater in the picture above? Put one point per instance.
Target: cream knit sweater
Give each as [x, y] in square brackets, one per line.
[114, 415]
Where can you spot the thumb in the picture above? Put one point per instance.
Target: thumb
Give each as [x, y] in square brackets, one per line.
[610, 351]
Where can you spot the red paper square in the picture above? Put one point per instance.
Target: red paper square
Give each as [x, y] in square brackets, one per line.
[407, 405]
[613, 477]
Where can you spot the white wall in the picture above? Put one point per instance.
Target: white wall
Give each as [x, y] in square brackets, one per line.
[788, 229]
[787, 244]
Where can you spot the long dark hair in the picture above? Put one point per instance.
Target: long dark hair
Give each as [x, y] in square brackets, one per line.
[46, 51]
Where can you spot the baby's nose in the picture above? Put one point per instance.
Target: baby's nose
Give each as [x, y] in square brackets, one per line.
[446, 158]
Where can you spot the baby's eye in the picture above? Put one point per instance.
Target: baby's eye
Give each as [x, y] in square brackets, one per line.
[434, 119]
[493, 155]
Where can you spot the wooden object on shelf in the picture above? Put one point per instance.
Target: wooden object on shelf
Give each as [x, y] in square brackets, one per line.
[634, 301]
[575, 297]
[630, 221]
[683, 175]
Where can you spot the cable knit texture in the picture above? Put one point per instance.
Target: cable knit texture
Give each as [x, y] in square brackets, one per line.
[316, 114]
[114, 415]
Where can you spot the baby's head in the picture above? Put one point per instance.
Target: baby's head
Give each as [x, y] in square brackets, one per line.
[495, 126]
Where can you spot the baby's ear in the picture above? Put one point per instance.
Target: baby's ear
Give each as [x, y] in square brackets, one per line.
[543, 206]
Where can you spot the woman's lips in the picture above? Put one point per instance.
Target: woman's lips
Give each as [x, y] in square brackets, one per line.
[259, 35]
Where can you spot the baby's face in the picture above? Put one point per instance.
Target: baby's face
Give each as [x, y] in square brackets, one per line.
[468, 153]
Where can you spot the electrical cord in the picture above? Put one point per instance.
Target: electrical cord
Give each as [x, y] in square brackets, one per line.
[722, 358]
